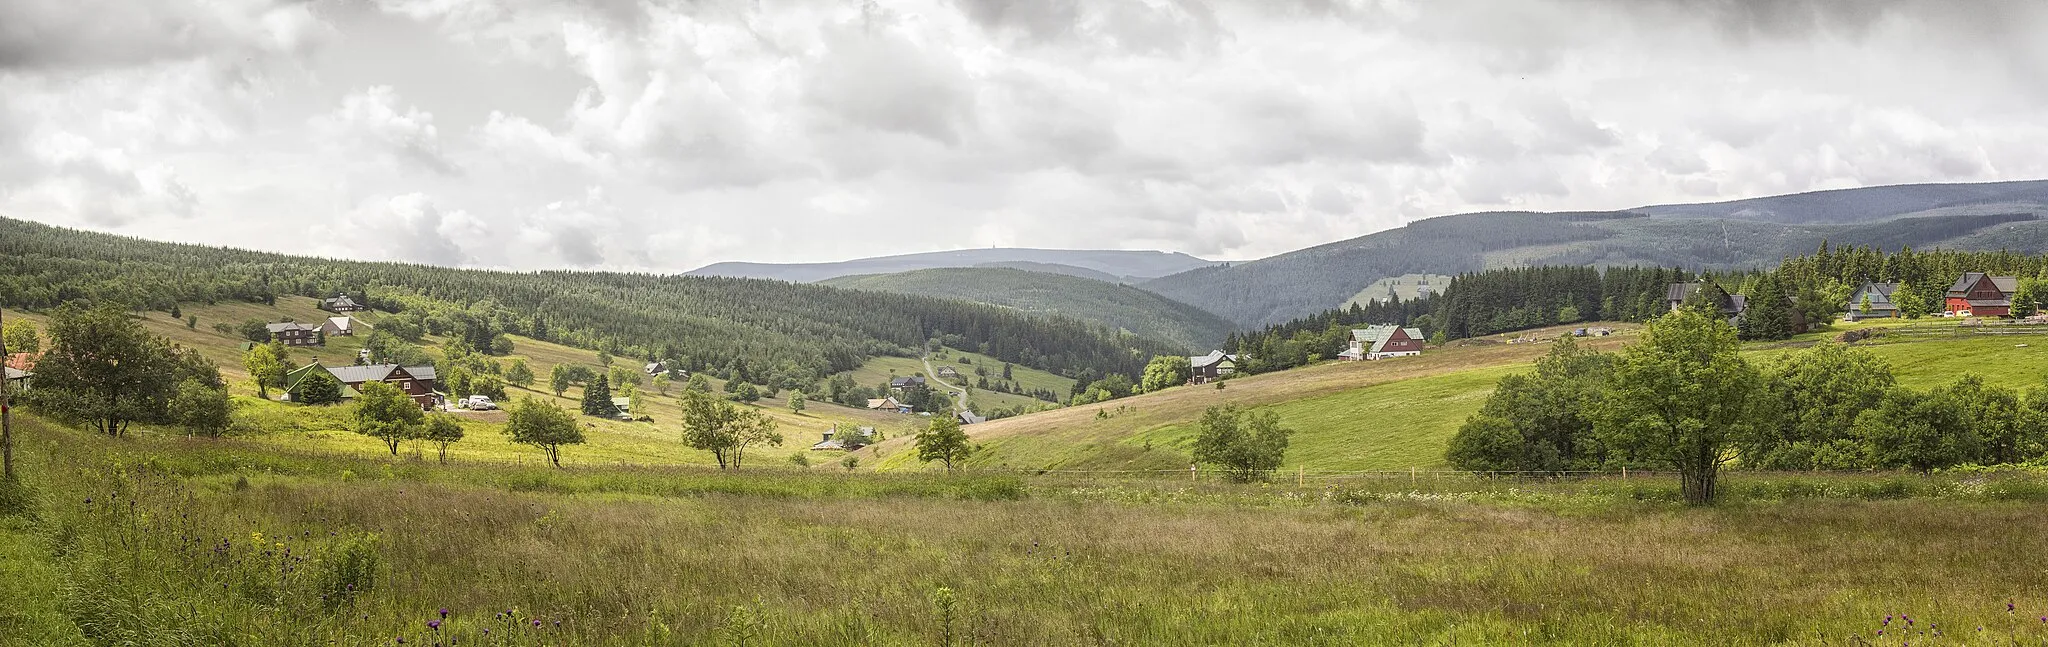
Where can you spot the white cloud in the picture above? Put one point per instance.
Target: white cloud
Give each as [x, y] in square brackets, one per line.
[804, 130]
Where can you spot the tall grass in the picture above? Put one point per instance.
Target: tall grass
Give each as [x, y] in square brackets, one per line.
[179, 542]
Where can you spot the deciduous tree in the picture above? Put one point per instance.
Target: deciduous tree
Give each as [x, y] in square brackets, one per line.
[725, 429]
[265, 368]
[388, 414]
[944, 441]
[543, 425]
[1166, 371]
[1805, 414]
[442, 430]
[1679, 397]
[1248, 445]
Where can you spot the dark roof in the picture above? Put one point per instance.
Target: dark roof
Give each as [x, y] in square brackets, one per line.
[2006, 284]
[1731, 304]
[906, 381]
[341, 300]
[289, 325]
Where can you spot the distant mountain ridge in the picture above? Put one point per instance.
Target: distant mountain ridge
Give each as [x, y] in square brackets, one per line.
[1752, 232]
[1119, 264]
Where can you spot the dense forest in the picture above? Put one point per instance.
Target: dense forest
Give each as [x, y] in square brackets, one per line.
[700, 322]
[1321, 336]
[1486, 303]
[1120, 306]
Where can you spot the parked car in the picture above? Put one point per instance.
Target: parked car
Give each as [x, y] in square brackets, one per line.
[478, 403]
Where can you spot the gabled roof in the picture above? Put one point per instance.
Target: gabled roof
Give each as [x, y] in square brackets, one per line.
[340, 300]
[1374, 338]
[906, 381]
[968, 418]
[1214, 357]
[1731, 304]
[344, 323]
[288, 325]
[1969, 280]
[378, 372]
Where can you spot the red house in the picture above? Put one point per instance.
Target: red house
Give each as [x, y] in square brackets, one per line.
[1978, 295]
[418, 382]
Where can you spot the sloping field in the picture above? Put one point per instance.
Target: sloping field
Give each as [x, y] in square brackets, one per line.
[1392, 414]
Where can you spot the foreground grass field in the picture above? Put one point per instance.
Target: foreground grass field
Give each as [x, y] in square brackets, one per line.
[164, 541]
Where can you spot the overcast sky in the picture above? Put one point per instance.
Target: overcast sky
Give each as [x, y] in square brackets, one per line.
[667, 134]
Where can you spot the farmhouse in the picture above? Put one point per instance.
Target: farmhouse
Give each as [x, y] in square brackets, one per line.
[341, 303]
[948, 371]
[1383, 341]
[1731, 305]
[1211, 367]
[1872, 301]
[907, 382]
[416, 381]
[294, 334]
[343, 326]
[859, 438]
[888, 404]
[1980, 295]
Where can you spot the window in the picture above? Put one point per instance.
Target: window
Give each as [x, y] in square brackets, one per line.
[405, 386]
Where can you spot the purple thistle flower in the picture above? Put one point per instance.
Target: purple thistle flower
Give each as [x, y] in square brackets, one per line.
[434, 625]
[536, 622]
[444, 612]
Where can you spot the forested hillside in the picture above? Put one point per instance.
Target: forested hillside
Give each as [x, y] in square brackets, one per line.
[1117, 306]
[803, 331]
[1300, 283]
[1119, 263]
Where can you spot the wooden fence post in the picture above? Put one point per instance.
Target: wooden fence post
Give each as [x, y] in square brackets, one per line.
[1624, 472]
[1191, 473]
[1300, 475]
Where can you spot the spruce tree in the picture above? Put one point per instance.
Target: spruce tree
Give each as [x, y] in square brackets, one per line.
[1769, 315]
[597, 399]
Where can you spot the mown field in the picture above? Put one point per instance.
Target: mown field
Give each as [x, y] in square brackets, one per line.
[171, 541]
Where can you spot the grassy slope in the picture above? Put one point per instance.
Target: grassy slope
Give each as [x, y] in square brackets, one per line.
[327, 429]
[1393, 414]
[1117, 306]
[879, 370]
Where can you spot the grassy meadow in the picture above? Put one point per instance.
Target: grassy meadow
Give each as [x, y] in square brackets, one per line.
[171, 541]
[1401, 413]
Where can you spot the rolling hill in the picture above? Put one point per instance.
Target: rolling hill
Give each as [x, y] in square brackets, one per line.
[1739, 234]
[1392, 414]
[1128, 265]
[1117, 306]
[768, 330]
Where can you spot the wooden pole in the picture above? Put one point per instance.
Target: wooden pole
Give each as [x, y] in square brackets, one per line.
[6, 412]
[1191, 473]
[1300, 475]
[1624, 472]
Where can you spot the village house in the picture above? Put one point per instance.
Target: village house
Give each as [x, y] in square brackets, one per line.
[292, 333]
[339, 326]
[948, 371]
[902, 383]
[1730, 305]
[418, 382]
[1979, 295]
[969, 418]
[861, 437]
[1383, 341]
[1211, 367]
[888, 404]
[17, 379]
[1872, 301]
[341, 304]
